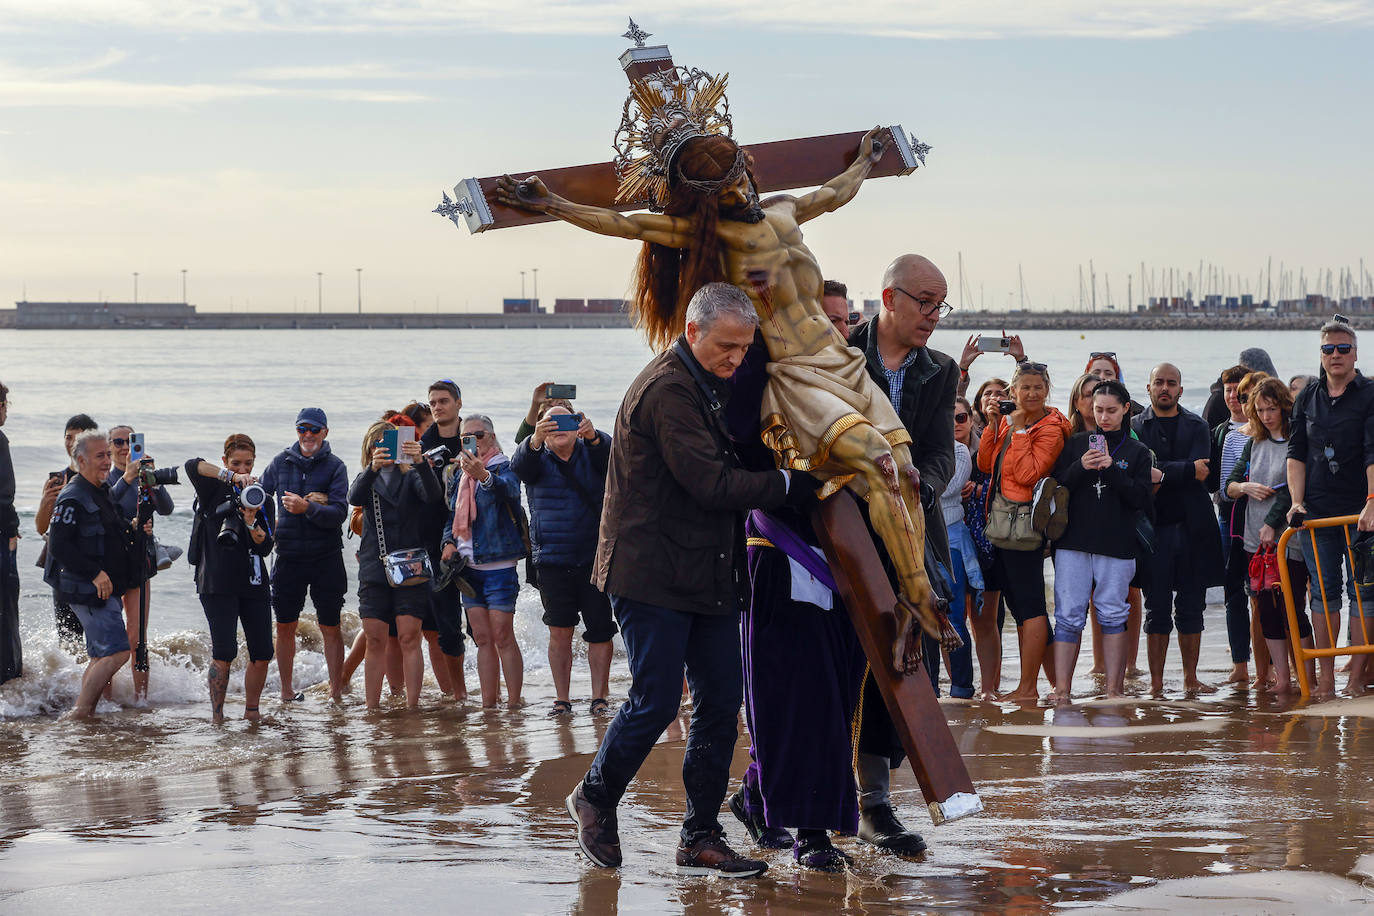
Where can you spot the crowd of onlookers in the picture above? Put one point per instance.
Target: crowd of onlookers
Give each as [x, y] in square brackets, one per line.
[440, 524]
[1141, 506]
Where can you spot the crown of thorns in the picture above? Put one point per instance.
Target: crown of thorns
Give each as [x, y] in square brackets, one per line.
[662, 112]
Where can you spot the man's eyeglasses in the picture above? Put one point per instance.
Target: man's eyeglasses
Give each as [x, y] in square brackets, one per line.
[928, 308]
[118, 443]
[1342, 349]
[961, 417]
[304, 428]
[1105, 354]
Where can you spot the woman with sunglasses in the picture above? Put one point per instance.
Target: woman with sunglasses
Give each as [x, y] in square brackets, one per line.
[1021, 450]
[230, 542]
[1105, 365]
[1260, 478]
[991, 614]
[393, 495]
[124, 493]
[485, 530]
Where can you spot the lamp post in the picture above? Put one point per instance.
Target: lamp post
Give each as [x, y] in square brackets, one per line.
[522, 285]
[535, 304]
[135, 287]
[360, 289]
[319, 281]
[183, 286]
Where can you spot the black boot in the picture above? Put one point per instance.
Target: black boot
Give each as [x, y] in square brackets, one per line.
[751, 816]
[878, 826]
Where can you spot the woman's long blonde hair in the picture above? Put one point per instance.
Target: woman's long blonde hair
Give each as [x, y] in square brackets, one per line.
[374, 433]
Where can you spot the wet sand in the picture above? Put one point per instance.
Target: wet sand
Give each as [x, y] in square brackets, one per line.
[1096, 805]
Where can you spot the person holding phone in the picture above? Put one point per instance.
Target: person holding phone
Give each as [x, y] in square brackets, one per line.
[563, 466]
[1260, 476]
[392, 495]
[485, 530]
[230, 543]
[1107, 474]
[1020, 446]
[124, 491]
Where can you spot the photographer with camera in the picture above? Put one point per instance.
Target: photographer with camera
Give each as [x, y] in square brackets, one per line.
[134, 484]
[231, 536]
[92, 560]
[563, 466]
[394, 569]
[310, 484]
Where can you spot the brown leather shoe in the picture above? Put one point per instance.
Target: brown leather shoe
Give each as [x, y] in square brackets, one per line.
[711, 856]
[597, 834]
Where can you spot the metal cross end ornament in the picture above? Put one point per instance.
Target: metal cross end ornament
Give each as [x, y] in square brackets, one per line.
[470, 205]
[637, 35]
[919, 149]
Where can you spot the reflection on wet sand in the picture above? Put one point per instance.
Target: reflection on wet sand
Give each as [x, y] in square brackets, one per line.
[323, 807]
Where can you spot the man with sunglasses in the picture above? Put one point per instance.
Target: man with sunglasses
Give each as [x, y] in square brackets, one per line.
[310, 484]
[1331, 473]
[920, 383]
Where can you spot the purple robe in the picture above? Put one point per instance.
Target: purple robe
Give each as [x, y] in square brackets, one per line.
[803, 672]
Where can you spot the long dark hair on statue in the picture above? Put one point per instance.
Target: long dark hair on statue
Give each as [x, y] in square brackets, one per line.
[666, 278]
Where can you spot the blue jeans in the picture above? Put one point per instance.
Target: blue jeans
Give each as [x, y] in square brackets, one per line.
[660, 642]
[960, 659]
[1332, 554]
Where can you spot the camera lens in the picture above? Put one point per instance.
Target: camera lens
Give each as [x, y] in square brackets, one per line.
[253, 496]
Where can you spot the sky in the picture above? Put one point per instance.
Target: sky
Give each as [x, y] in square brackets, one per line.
[257, 144]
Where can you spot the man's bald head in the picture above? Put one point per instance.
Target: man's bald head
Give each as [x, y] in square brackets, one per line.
[913, 291]
[1166, 384]
[1168, 369]
[909, 271]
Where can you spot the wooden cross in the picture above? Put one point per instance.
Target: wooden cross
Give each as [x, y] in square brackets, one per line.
[848, 545]
[781, 165]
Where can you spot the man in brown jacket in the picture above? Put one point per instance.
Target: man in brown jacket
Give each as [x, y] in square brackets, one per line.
[671, 558]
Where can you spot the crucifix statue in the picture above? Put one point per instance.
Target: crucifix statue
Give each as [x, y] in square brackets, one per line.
[822, 412]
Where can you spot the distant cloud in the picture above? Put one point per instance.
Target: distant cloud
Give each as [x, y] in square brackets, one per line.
[367, 71]
[71, 85]
[934, 19]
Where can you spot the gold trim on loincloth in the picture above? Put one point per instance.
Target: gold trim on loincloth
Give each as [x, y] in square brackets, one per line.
[778, 437]
[757, 542]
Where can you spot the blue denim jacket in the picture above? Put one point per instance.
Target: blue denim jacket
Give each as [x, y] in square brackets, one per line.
[495, 536]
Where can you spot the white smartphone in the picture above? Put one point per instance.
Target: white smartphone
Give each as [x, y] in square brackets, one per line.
[993, 344]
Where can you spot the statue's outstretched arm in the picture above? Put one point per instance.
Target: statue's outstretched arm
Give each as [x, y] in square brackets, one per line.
[841, 189]
[532, 194]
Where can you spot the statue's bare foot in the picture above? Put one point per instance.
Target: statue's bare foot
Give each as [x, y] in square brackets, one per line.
[906, 647]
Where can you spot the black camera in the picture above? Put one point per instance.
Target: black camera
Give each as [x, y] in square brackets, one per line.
[156, 477]
[1006, 408]
[252, 496]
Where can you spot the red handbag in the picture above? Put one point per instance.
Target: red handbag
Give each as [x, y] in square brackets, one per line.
[1264, 568]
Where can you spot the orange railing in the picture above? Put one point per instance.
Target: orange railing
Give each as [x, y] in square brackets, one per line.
[1302, 655]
